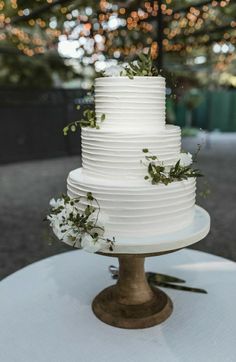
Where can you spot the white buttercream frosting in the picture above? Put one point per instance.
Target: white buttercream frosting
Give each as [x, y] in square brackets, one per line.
[117, 154]
[137, 209]
[131, 105]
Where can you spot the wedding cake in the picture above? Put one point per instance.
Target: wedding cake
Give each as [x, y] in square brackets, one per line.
[115, 162]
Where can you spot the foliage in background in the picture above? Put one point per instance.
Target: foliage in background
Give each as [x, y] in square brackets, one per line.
[198, 38]
[40, 71]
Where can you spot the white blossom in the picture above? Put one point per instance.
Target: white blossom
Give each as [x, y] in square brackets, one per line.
[113, 71]
[61, 221]
[185, 159]
[56, 203]
[91, 245]
[63, 228]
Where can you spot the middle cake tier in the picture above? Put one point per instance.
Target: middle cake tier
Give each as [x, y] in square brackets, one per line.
[112, 154]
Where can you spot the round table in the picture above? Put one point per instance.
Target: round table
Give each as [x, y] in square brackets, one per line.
[46, 316]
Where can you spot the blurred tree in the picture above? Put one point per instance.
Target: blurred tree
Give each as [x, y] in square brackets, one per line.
[192, 99]
[63, 39]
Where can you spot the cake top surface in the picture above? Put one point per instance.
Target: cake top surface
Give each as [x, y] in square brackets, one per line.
[134, 79]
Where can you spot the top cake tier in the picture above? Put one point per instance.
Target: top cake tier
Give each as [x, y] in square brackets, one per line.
[131, 105]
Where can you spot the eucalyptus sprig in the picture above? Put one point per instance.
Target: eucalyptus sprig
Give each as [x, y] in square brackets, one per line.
[90, 120]
[158, 173]
[179, 173]
[83, 229]
[142, 67]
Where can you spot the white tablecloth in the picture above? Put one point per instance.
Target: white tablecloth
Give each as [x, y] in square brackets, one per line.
[46, 316]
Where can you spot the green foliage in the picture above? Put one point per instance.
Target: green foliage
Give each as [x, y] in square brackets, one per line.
[158, 173]
[89, 120]
[204, 190]
[33, 72]
[179, 173]
[192, 99]
[81, 222]
[142, 67]
[43, 14]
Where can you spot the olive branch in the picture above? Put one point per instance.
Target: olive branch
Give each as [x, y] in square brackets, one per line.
[89, 120]
[80, 223]
[158, 173]
[142, 67]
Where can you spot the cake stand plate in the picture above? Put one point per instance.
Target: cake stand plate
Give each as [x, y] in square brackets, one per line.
[191, 234]
[132, 303]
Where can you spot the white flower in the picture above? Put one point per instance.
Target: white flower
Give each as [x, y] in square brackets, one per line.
[69, 209]
[60, 223]
[91, 245]
[185, 159]
[55, 223]
[128, 65]
[63, 230]
[113, 71]
[62, 220]
[56, 203]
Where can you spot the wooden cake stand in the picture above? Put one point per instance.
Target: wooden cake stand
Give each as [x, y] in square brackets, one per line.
[132, 303]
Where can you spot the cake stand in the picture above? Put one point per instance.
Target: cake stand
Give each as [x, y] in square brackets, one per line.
[132, 303]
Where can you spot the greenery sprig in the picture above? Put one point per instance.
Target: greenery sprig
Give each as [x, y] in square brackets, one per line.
[205, 191]
[158, 173]
[179, 173]
[89, 120]
[78, 228]
[142, 67]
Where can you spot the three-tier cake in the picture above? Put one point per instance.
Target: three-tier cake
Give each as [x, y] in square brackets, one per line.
[111, 161]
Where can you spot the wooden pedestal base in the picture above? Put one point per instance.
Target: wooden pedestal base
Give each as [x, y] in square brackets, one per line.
[131, 303]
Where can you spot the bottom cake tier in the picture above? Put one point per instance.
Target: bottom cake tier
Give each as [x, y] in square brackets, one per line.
[137, 208]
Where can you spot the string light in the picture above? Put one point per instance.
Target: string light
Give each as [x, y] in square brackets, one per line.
[181, 34]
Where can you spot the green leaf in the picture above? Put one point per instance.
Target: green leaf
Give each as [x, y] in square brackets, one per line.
[90, 196]
[65, 130]
[142, 57]
[143, 66]
[150, 170]
[159, 174]
[84, 124]
[177, 165]
[87, 210]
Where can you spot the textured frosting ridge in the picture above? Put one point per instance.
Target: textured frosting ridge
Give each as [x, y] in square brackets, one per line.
[131, 105]
[112, 154]
[137, 210]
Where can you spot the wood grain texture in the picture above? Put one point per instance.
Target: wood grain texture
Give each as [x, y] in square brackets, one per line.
[132, 303]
